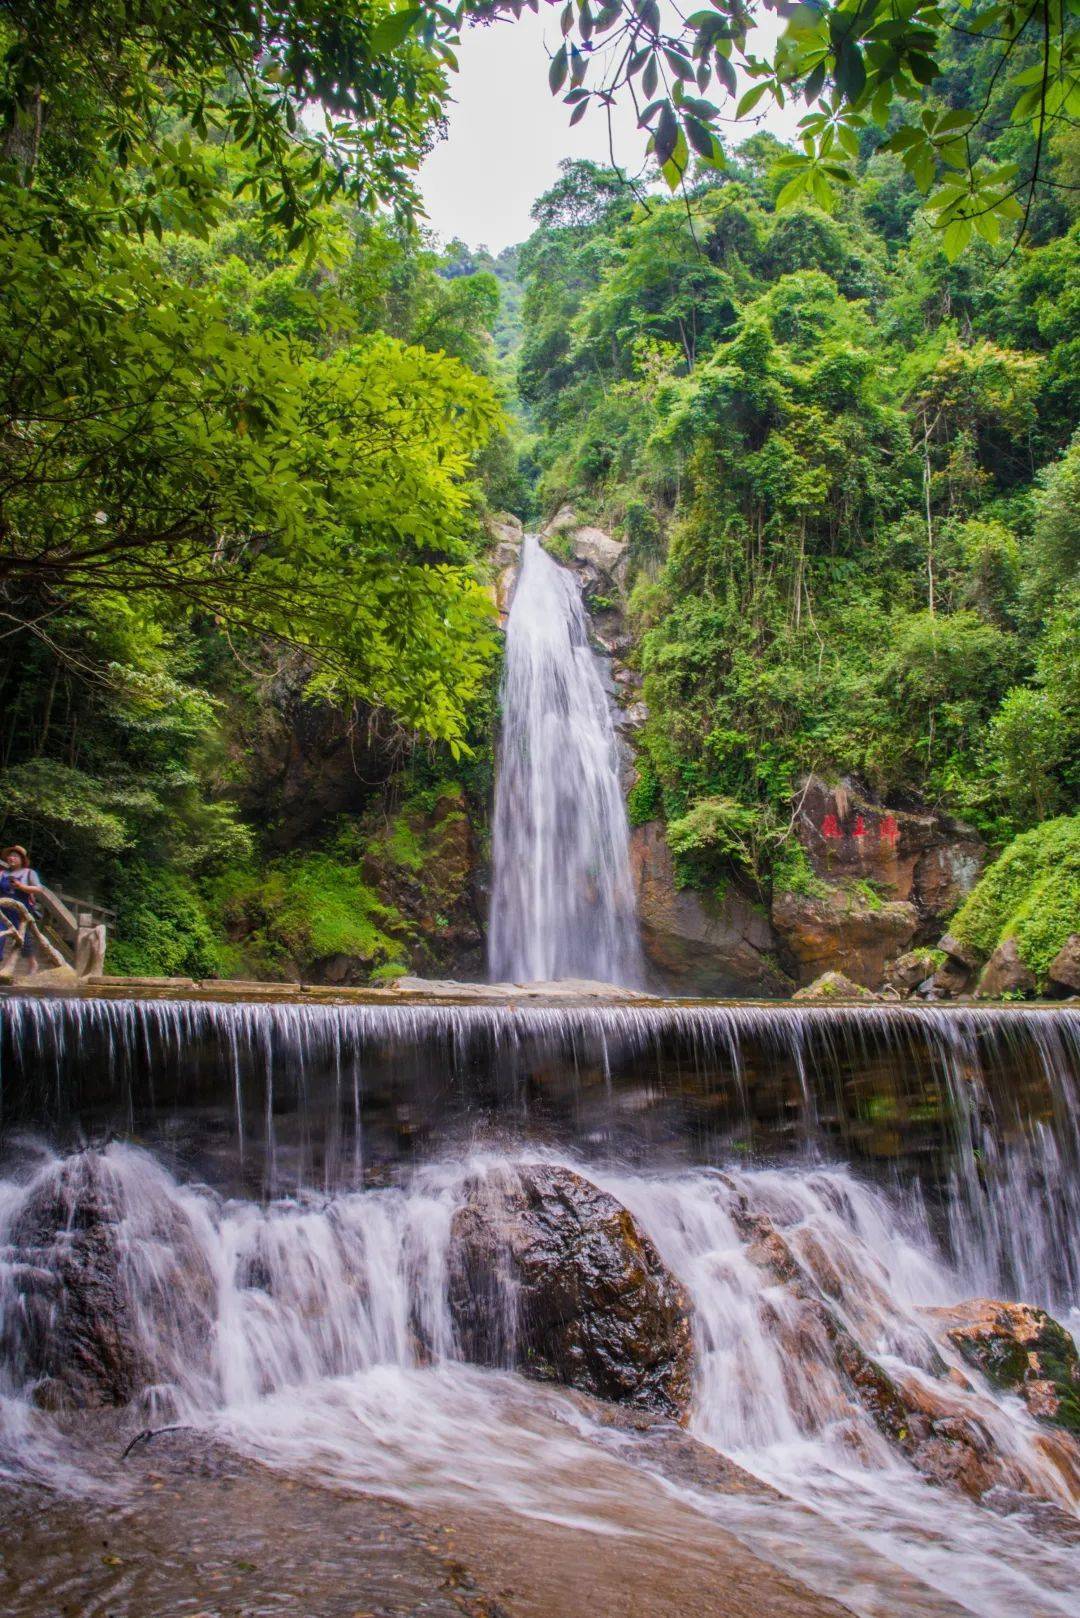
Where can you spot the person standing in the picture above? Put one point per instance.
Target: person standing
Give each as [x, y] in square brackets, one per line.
[19, 885]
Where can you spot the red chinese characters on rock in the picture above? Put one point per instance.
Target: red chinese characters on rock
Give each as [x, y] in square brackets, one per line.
[830, 827]
[860, 827]
[889, 831]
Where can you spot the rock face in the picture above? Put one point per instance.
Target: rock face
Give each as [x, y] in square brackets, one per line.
[1065, 967]
[1005, 973]
[842, 930]
[90, 1329]
[700, 945]
[926, 859]
[1021, 1350]
[507, 534]
[553, 1276]
[434, 890]
[597, 557]
[887, 878]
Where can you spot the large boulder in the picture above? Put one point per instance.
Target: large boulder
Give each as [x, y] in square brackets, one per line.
[699, 944]
[1021, 1350]
[962, 955]
[1006, 974]
[1064, 972]
[553, 1276]
[596, 556]
[843, 929]
[912, 968]
[114, 1292]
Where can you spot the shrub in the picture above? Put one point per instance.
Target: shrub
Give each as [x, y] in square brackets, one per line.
[645, 799]
[164, 926]
[1032, 894]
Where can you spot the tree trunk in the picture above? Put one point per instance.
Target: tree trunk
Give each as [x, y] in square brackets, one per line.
[22, 141]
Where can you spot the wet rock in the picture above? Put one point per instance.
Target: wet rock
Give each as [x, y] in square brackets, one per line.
[1064, 972]
[88, 1329]
[553, 1276]
[1022, 1350]
[843, 930]
[699, 944]
[923, 1416]
[834, 986]
[1005, 973]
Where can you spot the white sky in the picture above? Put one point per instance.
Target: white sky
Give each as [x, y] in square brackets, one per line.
[507, 134]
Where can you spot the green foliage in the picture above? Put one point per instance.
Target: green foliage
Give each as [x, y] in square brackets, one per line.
[1032, 894]
[286, 917]
[165, 927]
[845, 558]
[644, 801]
[115, 91]
[861, 68]
[320, 501]
[714, 833]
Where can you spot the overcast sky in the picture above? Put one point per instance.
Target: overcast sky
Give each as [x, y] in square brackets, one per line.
[508, 133]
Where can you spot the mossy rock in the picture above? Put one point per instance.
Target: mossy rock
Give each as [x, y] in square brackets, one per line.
[834, 986]
[1022, 1350]
[1027, 905]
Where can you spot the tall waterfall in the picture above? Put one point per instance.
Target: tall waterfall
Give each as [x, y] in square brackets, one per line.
[563, 902]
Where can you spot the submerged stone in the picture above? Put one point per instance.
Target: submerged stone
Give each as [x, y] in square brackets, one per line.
[553, 1276]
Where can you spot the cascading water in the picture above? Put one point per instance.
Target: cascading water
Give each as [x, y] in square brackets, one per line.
[277, 1272]
[318, 1338]
[562, 901]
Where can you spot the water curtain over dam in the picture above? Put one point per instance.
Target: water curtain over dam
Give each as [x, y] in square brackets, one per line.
[562, 901]
[975, 1110]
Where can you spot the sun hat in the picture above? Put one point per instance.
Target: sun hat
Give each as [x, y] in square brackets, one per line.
[16, 848]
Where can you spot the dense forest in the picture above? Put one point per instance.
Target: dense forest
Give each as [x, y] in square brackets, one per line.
[257, 425]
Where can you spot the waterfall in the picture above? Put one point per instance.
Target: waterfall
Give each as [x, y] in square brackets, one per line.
[562, 902]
